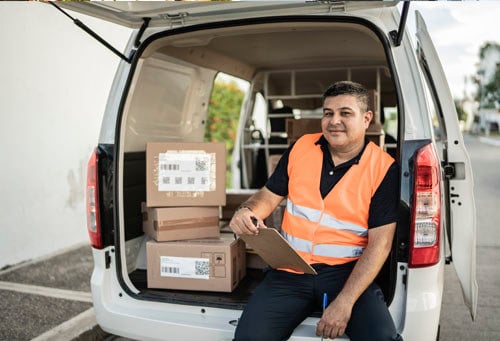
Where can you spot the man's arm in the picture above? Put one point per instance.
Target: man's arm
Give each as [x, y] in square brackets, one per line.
[260, 206]
[336, 316]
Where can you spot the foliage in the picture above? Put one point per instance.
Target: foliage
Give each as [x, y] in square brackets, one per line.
[461, 113]
[491, 93]
[488, 94]
[223, 116]
[486, 46]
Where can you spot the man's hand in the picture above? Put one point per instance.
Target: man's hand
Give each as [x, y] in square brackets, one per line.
[334, 320]
[244, 221]
[247, 219]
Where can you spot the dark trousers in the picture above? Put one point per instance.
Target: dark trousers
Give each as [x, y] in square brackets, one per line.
[283, 300]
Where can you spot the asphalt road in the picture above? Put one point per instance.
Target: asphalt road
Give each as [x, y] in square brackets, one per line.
[456, 323]
[49, 299]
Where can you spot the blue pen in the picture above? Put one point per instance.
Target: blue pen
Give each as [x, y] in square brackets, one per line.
[325, 303]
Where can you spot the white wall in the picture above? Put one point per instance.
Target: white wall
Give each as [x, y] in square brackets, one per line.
[54, 81]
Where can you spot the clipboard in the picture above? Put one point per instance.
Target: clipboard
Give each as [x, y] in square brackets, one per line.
[275, 251]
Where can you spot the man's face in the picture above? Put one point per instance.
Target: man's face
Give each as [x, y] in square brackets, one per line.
[343, 124]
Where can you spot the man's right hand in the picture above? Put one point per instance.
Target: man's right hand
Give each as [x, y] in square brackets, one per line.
[244, 221]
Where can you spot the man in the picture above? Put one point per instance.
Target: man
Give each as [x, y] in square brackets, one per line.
[342, 201]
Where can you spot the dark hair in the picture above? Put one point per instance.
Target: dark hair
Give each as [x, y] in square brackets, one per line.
[349, 88]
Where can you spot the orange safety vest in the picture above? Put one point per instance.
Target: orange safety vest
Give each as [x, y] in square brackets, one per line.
[333, 230]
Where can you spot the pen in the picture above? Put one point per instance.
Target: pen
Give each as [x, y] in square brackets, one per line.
[325, 302]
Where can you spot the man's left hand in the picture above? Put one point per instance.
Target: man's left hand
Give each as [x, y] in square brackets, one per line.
[334, 320]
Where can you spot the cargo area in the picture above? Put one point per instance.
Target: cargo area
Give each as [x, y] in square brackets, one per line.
[286, 65]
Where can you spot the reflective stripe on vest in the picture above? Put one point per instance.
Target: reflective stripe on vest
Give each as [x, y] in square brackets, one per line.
[326, 220]
[331, 230]
[326, 250]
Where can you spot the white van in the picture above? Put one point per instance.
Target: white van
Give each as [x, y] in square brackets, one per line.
[288, 52]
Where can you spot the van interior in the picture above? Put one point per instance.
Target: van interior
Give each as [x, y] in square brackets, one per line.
[284, 66]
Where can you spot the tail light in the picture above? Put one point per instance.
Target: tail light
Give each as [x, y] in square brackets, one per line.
[426, 209]
[93, 220]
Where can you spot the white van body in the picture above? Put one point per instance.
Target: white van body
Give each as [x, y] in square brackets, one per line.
[289, 52]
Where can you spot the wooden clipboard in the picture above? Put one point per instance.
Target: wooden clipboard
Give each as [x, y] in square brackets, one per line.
[275, 251]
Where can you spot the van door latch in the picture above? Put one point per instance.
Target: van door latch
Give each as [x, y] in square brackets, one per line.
[449, 170]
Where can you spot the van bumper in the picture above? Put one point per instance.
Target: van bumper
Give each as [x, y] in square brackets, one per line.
[120, 313]
[423, 305]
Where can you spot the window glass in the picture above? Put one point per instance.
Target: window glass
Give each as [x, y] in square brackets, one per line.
[223, 114]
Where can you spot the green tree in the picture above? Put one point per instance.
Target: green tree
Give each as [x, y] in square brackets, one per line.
[488, 92]
[491, 92]
[461, 113]
[223, 116]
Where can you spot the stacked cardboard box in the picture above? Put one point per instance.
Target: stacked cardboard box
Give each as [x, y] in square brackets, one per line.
[186, 185]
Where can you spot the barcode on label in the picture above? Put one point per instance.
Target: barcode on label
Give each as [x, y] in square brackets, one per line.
[201, 268]
[185, 267]
[170, 270]
[190, 180]
[178, 180]
[169, 166]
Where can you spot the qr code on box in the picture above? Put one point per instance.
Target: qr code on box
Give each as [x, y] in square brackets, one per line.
[201, 268]
[201, 165]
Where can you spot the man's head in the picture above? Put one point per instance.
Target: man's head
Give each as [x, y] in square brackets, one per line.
[349, 88]
[345, 116]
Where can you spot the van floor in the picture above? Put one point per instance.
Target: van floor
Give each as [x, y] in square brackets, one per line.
[230, 300]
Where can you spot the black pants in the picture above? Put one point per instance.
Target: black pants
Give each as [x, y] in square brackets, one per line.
[283, 300]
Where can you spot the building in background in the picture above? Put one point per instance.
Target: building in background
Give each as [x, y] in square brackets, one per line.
[55, 83]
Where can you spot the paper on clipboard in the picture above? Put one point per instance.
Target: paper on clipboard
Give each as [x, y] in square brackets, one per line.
[275, 251]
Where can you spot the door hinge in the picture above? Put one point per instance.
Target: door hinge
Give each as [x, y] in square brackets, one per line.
[175, 19]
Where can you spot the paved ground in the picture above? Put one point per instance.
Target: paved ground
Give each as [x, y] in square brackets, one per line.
[36, 297]
[455, 320]
[49, 299]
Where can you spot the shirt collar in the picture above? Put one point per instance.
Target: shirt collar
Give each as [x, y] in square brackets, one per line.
[323, 143]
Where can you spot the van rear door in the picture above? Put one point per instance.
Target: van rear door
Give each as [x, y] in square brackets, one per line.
[458, 171]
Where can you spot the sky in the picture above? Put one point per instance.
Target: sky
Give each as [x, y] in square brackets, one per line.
[458, 30]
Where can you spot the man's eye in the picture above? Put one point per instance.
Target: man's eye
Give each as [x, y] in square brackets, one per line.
[327, 114]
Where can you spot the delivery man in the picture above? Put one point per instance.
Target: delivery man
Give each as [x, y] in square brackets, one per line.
[342, 202]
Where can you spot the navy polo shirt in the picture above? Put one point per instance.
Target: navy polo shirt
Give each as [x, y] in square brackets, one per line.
[384, 204]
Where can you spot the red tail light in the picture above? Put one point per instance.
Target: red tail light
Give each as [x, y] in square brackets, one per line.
[93, 221]
[426, 209]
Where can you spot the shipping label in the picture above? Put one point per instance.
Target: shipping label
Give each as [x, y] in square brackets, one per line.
[184, 267]
[188, 172]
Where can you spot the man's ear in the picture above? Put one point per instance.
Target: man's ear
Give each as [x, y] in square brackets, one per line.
[368, 118]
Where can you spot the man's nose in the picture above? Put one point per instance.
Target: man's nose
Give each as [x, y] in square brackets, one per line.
[335, 119]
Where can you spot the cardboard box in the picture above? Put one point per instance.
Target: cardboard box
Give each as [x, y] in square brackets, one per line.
[254, 261]
[295, 128]
[185, 174]
[180, 223]
[234, 198]
[203, 264]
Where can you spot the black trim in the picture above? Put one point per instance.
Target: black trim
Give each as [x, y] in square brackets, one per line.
[240, 22]
[397, 36]
[97, 37]
[424, 64]
[105, 153]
